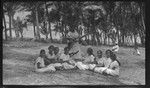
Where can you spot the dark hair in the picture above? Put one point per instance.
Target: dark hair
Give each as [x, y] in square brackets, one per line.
[114, 58]
[66, 48]
[41, 51]
[50, 47]
[70, 44]
[56, 50]
[90, 51]
[100, 52]
[109, 51]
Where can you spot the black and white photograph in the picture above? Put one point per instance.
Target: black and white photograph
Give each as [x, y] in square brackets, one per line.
[73, 43]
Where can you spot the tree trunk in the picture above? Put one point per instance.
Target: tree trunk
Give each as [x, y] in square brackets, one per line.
[93, 39]
[143, 23]
[50, 31]
[105, 39]
[45, 24]
[133, 39]
[135, 42]
[98, 40]
[49, 26]
[5, 27]
[34, 30]
[37, 23]
[10, 31]
[142, 39]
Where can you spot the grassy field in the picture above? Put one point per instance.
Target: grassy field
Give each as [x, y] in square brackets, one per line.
[18, 67]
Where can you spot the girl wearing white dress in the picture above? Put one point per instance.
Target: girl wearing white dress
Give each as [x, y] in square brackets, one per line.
[105, 63]
[42, 64]
[111, 65]
[50, 53]
[67, 62]
[88, 62]
[114, 67]
[57, 64]
[99, 59]
[75, 51]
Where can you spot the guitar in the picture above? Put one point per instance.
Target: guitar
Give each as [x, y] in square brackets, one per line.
[73, 53]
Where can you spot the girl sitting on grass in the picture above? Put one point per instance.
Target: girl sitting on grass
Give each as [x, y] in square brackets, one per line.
[50, 52]
[114, 67]
[42, 64]
[105, 63]
[67, 62]
[88, 62]
[99, 59]
[57, 64]
[111, 65]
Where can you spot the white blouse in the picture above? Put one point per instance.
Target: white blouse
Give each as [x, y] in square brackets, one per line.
[41, 61]
[89, 59]
[114, 65]
[64, 57]
[50, 56]
[107, 62]
[100, 60]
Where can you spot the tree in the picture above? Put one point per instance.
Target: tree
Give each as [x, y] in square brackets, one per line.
[11, 9]
[19, 25]
[31, 19]
[4, 11]
[36, 13]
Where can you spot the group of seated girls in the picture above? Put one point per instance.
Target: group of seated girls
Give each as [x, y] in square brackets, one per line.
[56, 60]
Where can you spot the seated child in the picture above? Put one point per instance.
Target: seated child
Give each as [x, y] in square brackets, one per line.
[50, 54]
[75, 51]
[88, 63]
[67, 62]
[106, 62]
[56, 53]
[61, 50]
[65, 56]
[42, 64]
[56, 63]
[99, 59]
[113, 68]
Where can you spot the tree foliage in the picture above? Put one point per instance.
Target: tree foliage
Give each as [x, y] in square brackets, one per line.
[96, 18]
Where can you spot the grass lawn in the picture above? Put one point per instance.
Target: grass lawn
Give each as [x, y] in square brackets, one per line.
[18, 67]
